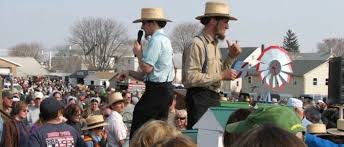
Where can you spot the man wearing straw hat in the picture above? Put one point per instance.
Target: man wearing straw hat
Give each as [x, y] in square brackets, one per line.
[117, 131]
[203, 70]
[155, 62]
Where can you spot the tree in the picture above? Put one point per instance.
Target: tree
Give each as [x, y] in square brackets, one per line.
[64, 55]
[333, 45]
[290, 42]
[32, 49]
[182, 35]
[100, 39]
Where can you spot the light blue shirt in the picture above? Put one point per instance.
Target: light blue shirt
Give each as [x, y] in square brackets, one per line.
[159, 53]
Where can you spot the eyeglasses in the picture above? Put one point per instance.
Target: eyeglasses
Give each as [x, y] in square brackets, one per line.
[180, 118]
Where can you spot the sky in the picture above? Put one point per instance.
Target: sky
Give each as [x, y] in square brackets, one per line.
[260, 21]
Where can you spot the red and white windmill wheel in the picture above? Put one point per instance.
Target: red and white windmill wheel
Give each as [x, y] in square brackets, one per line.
[274, 67]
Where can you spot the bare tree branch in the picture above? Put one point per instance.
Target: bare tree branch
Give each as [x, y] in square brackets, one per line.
[32, 49]
[101, 38]
[182, 35]
[334, 45]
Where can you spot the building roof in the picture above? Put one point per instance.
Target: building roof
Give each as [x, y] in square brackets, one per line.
[3, 58]
[312, 56]
[245, 52]
[80, 73]
[29, 66]
[301, 67]
[105, 75]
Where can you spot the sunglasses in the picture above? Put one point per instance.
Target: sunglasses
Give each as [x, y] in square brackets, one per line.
[181, 118]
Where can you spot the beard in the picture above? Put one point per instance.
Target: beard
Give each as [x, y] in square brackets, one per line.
[219, 35]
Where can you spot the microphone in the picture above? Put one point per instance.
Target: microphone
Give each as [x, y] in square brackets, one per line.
[139, 36]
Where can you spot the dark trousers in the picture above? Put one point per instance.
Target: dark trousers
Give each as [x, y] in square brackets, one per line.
[198, 100]
[153, 105]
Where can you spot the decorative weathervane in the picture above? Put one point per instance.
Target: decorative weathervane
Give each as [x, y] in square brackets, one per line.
[274, 67]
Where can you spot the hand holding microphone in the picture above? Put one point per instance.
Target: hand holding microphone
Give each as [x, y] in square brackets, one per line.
[137, 45]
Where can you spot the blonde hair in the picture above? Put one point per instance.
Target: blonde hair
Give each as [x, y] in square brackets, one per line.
[152, 132]
[177, 141]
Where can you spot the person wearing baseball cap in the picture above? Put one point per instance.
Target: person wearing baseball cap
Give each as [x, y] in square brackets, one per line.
[93, 108]
[54, 132]
[34, 109]
[7, 102]
[116, 127]
[280, 116]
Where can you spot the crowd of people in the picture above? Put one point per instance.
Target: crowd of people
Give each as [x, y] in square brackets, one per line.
[51, 113]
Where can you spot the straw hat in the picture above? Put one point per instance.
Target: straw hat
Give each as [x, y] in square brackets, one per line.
[316, 128]
[152, 14]
[94, 121]
[216, 9]
[339, 130]
[115, 97]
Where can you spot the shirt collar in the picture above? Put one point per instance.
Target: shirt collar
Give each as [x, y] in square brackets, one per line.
[159, 31]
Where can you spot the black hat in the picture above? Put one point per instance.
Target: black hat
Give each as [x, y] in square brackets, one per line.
[49, 107]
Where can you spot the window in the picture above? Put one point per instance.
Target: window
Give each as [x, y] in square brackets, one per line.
[315, 81]
[326, 81]
[249, 80]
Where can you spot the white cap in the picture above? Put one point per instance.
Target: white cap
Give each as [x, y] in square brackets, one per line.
[320, 101]
[71, 98]
[95, 98]
[38, 95]
[15, 99]
[294, 102]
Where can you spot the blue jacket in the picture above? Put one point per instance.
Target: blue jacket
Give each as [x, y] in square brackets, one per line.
[315, 141]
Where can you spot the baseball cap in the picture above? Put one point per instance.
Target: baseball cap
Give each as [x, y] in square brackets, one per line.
[38, 95]
[280, 116]
[294, 102]
[7, 93]
[50, 106]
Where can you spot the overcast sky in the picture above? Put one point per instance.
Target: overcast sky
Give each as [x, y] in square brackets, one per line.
[260, 21]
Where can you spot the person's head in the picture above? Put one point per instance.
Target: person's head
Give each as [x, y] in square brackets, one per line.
[95, 101]
[95, 124]
[82, 96]
[152, 19]
[152, 132]
[177, 141]
[238, 115]
[20, 110]
[72, 100]
[181, 119]
[73, 113]
[216, 17]
[297, 105]
[116, 102]
[7, 98]
[127, 97]
[281, 116]
[37, 98]
[57, 95]
[50, 109]
[268, 135]
[312, 114]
